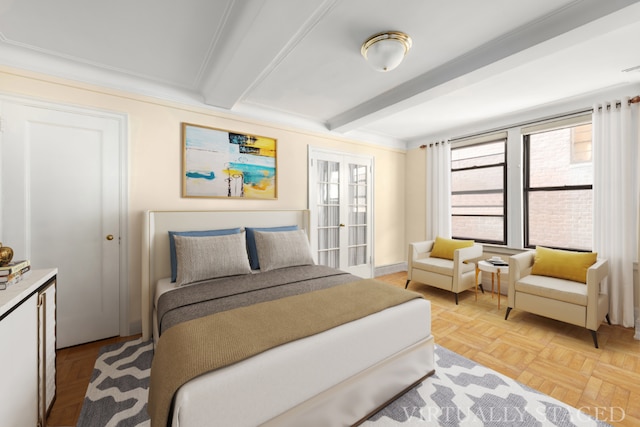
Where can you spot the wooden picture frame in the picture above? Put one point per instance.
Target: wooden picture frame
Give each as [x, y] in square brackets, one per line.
[226, 164]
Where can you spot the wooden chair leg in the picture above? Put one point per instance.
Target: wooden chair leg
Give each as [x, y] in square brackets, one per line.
[407, 284]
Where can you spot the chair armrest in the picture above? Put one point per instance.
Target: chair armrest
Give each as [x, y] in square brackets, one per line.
[598, 271]
[595, 275]
[597, 301]
[465, 254]
[519, 266]
[419, 250]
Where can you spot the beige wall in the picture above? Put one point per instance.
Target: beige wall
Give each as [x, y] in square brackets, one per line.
[155, 152]
[416, 210]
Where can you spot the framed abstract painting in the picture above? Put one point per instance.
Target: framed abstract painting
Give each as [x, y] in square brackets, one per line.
[222, 163]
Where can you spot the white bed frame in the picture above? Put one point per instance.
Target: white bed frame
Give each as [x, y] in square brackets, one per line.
[337, 377]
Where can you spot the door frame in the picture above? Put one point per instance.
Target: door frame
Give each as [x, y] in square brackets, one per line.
[311, 150]
[122, 120]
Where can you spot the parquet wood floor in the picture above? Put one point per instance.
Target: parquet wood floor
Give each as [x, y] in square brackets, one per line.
[552, 357]
[74, 366]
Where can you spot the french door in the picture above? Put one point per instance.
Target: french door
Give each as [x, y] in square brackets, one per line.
[341, 207]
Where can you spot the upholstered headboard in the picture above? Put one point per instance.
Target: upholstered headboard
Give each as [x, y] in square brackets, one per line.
[155, 240]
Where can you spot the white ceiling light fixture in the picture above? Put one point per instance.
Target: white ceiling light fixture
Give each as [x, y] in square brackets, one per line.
[385, 51]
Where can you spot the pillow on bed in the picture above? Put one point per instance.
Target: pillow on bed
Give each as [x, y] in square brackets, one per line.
[251, 241]
[208, 257]
[282, 249]
[172, 245]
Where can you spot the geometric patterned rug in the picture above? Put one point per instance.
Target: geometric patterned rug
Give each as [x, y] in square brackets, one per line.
[117, 392]
[464, 393]
[461, 393]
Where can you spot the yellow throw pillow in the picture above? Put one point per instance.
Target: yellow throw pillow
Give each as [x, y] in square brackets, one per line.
[444, 248]
[568, 265]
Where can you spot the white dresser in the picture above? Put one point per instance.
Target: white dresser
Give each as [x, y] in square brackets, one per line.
[28, 349]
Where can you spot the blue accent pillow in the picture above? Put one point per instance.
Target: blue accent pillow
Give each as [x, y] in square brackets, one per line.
[200, 233]
[251, 242]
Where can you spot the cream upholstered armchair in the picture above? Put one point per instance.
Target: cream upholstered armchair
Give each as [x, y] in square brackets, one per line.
[444, 264]
[558, 293]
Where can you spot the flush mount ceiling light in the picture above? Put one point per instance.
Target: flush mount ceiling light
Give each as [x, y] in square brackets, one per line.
[385, 51]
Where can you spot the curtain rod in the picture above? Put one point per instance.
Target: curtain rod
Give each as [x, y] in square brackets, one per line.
[634, 100]
[431, 144]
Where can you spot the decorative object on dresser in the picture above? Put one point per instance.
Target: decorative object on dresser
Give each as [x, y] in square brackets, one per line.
[13, 272]
[6, 255]
[28, 350]
[444, 263]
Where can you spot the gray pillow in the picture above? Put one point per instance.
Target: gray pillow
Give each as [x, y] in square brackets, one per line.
[208, 257]
[280, 249]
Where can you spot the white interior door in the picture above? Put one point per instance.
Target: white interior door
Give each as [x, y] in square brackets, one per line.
[341, 206]
[61, 208]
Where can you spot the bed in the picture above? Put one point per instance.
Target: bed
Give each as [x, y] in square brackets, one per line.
[337, 374]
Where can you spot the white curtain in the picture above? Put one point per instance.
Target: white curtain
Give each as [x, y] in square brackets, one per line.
[615, 196]
[438, 190]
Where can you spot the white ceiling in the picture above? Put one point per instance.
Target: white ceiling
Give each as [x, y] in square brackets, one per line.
[298, 62]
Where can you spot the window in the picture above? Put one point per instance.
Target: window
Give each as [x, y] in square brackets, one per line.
[478, 189]
[525, 186]
[558, 187]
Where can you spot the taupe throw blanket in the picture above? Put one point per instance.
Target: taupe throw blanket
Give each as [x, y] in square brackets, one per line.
[226, 293]
[198, 346]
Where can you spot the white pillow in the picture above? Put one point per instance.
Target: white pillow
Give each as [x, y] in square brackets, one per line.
[208, 257]
[280, 249]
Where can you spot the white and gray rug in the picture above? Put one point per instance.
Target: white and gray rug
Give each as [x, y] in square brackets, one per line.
[461, 393]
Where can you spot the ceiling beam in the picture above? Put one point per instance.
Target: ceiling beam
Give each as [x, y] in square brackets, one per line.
[254, 47]
[489, 59]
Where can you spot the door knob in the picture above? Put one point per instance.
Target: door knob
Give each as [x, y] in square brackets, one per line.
[109, 236]
[341, 225]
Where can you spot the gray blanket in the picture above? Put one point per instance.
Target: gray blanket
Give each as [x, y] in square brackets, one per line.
[217, 295]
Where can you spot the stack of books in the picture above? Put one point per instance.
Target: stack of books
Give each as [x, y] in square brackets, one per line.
[13, 272]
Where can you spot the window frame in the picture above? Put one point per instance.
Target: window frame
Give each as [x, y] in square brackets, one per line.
[526, 176]
[478, 141]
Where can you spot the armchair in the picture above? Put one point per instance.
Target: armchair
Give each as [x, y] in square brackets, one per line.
[455, 275]
[581, 304]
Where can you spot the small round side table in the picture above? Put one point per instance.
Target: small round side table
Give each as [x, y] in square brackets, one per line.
[493, 269]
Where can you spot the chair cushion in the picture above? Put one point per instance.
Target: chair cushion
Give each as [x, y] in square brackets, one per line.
[568, 265]
[444, 248]
[553, 288]
[439, 265]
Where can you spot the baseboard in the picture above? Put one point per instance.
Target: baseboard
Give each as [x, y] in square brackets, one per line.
[135, 328]
[390, 269]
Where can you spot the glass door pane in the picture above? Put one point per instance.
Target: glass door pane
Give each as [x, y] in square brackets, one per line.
[358, 203]
[328, 208]
[340, 201]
